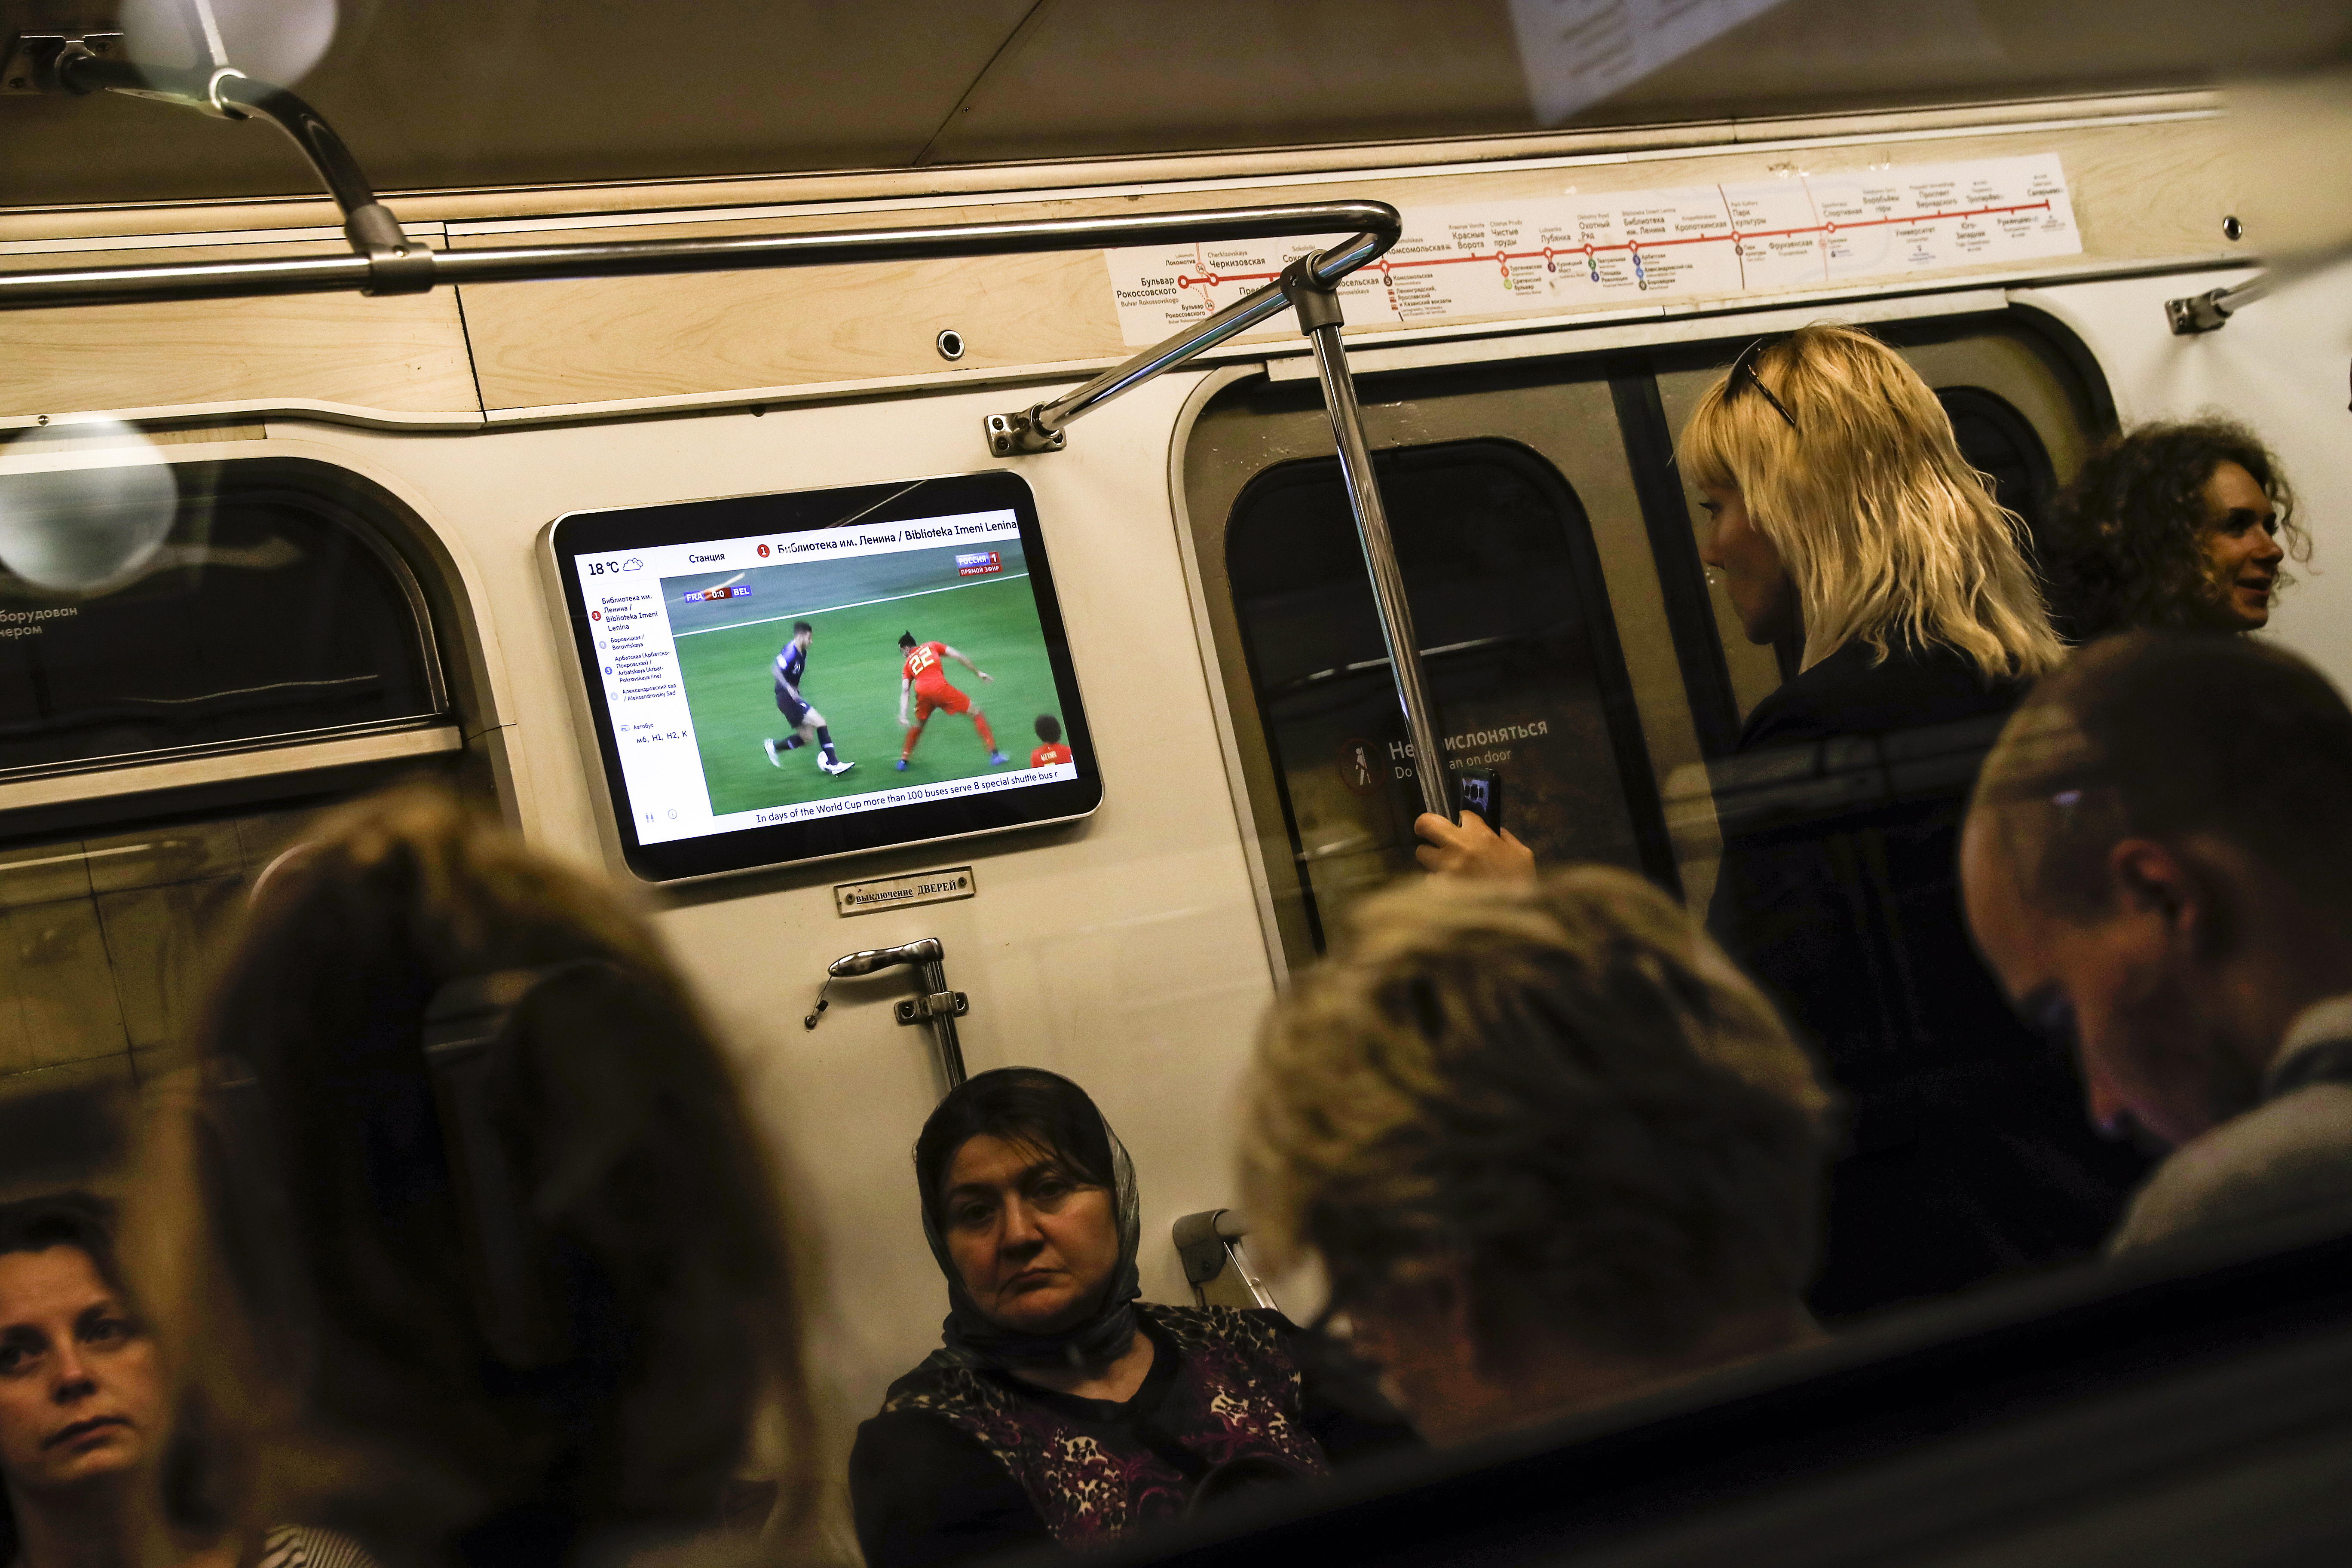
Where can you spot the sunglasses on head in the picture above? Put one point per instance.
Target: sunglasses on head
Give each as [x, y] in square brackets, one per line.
[1743, 376]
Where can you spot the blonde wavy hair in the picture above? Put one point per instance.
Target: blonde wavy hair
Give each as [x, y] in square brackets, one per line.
[1887, 532]
[1566, 1087]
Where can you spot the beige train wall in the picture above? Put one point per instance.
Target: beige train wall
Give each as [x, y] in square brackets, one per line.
[2143, 174]
[1128, 951]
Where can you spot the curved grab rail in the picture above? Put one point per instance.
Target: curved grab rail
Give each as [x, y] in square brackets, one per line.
[393, 264]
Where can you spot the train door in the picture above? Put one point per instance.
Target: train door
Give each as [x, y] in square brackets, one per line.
[1547, 631]
[1551, 555]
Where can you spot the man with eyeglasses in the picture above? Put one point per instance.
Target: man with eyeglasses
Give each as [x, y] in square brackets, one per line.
[2158, 866]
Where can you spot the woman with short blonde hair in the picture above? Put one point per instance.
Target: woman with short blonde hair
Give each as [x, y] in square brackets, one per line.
[1845, 516]
[1846, 519]
[1841, 460]
[1551, 1148]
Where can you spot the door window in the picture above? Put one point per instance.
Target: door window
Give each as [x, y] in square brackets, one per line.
[1516, 637]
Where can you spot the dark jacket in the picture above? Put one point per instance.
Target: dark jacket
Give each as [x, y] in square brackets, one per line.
[965, 1463]
[1970, 1150]
[2290, 1154]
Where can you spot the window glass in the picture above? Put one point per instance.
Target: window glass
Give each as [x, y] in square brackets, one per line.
[264, 613]
[103, 942]
[1520, 653]
[1998, 440]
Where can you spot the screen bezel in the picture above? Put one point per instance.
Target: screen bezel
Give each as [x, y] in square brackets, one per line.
[608, 530]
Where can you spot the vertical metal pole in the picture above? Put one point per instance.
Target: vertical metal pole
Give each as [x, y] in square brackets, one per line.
[1319, 317]
[935, 986]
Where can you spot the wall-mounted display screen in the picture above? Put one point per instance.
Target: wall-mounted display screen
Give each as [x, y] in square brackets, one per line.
[791, 677]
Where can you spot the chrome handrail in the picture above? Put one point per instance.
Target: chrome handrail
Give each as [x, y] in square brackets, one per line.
[734, 253]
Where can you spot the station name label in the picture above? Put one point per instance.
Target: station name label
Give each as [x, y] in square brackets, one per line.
[898, 892]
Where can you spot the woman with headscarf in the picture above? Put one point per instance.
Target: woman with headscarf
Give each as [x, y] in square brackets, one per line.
[1059, 1407]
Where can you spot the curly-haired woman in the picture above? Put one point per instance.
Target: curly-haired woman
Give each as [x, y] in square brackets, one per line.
[2184, 525]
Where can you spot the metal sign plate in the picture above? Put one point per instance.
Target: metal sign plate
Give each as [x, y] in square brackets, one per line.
[898, 892]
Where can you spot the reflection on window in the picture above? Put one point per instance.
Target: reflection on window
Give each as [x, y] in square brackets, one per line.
[264, 613]
[1521, 656]
[102, 943]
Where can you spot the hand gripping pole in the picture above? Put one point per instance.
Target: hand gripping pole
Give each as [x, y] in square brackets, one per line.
[1317, 304]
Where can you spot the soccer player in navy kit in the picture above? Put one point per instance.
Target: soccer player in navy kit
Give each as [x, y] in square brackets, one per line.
[807, 723]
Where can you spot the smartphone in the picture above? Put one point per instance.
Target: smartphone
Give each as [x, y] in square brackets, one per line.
[1480, 790]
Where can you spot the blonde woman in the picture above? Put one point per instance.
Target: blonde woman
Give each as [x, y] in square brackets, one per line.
[1846, 518]
[1845, 515]
[1551, 1150]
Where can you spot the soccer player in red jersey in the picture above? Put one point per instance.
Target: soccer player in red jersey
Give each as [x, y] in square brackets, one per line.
[925, 678]
[1049, 730]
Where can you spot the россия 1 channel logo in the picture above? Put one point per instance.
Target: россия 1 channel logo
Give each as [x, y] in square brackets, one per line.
[979, 563]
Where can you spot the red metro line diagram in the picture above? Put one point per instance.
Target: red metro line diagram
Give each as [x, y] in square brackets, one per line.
[1590, 255]
[1639, 247]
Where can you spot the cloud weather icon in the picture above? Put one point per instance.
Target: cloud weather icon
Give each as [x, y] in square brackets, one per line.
[633, 565]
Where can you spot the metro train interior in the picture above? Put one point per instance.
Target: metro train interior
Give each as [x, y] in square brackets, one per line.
[973, 523]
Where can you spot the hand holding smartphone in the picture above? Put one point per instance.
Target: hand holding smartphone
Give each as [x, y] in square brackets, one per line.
[1480, 790]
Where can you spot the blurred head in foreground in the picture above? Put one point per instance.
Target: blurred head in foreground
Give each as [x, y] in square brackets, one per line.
[529, 1295]
[1551, 1148]
[82, 1389]
[2158, 866]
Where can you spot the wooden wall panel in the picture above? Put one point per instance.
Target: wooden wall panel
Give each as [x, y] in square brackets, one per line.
[2141, 193]
[2152, 191]
[401, 359]
[991, 182]
[595, 340]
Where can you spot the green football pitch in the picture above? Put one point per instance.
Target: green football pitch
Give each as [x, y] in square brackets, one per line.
[853, 678]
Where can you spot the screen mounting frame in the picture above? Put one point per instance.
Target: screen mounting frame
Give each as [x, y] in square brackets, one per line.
[605, 531]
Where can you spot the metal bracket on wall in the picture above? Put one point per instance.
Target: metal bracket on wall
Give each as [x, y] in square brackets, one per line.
[2210, 311]
[1019, 434]
[387, 261]
[1216, 1265]
[934, 1005]
[29, 68]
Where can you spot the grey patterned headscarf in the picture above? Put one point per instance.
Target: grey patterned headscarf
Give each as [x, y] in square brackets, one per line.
[969, 1337]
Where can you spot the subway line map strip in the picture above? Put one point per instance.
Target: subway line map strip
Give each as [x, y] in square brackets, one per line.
[1614, 249]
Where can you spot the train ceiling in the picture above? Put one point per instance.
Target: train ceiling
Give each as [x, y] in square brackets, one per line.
[438, 94]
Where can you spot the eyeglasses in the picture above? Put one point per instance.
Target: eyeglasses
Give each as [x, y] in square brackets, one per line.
[1745, 367]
